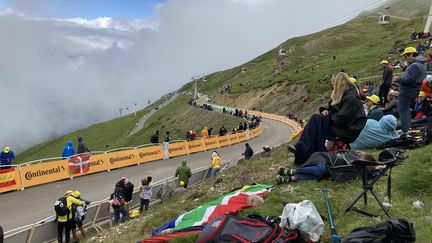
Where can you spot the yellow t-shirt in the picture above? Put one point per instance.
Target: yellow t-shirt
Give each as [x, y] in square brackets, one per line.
[216, 162]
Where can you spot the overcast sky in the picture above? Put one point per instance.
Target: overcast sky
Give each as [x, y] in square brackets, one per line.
[61, 70]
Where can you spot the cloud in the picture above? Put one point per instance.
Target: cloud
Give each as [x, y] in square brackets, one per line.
[58, 75]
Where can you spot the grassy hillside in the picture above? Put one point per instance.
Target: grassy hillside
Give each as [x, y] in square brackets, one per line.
[358, 45]
[416, 167]
[176, 117]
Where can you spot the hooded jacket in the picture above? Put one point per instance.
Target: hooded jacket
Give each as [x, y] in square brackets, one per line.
[183, 172]
[376, 133]
[68, 150]
[347, 118]
[412, 78]
[82, 148]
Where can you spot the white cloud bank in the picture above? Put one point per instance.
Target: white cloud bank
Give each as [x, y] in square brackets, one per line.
[58, 75]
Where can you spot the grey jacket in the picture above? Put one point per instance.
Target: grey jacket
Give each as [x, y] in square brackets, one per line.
[413, 76]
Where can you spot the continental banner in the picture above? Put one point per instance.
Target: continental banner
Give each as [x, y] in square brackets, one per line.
[177, 149]
[211, 143]
[98, 163]
[196, 146]
[122, 158]
[151, 153]
[233, 138]
[242, 136]
[223, 141]
[37, 174]
[10, 179]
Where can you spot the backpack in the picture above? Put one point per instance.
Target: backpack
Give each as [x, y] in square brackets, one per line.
[61, 208]
[118, 200]
[339, 166]
[402, 142]
[231, 228]
[391, 231]
[79, 213]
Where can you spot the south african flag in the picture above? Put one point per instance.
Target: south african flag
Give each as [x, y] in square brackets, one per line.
[79, 164]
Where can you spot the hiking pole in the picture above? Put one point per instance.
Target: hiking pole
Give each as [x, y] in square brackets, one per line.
[334, 236]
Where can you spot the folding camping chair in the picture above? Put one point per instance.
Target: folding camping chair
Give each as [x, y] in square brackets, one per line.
[390, 157]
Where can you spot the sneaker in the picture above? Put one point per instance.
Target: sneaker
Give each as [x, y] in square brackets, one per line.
[286, 172]
[282, 179]
[292, 148]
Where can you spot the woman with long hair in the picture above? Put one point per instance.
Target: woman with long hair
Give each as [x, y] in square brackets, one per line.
[342, 120]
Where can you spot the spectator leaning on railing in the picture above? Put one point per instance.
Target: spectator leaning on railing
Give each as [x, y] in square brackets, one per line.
[6, 158]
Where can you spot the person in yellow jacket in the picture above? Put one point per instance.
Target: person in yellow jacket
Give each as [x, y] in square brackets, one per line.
[215, 164]
[204, 133]
[65, 222]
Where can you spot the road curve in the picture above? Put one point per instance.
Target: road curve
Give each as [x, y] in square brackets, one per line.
[21, 208]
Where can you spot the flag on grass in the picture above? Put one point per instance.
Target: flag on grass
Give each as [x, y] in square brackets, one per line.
[79, 164]
[229, 203]
[7, 177]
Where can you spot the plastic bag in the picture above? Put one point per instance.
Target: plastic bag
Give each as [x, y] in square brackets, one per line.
[304, 217]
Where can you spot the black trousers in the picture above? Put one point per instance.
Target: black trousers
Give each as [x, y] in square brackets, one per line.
[66, 226]
[383, 93]
[144, 203]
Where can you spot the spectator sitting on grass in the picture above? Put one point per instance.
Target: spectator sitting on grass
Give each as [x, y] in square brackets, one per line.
[373, 104]
[376, 133]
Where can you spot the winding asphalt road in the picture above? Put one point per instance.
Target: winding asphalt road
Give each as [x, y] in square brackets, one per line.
[21, 208]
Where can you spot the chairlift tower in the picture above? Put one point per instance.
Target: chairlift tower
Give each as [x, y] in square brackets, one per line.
[429, 20]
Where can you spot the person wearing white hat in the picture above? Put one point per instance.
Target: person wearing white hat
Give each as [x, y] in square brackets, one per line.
[426, 86]
[215, 164]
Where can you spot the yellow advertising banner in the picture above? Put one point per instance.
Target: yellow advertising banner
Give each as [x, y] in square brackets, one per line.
[151, 153]
[242, 136]
[196, 146]
[37, 174]
[10, 179]
[98, 163]
[211, 143]
[233, 138]
[122, 158]
[177, 149]
[223, 141]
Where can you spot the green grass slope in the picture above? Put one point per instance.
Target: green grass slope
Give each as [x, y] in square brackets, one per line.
[358, 45]
[406, 189]
[176, 117]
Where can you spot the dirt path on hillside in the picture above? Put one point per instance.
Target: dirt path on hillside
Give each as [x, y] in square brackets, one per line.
[141, 122]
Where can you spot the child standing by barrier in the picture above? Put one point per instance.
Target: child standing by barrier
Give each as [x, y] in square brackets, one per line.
[145, 194]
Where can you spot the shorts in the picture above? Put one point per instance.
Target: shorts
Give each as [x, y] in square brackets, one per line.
[77, 224]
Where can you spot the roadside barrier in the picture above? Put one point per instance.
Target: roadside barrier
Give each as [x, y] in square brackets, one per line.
[55, 169]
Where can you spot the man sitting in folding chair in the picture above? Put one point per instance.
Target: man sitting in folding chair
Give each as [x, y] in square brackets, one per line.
[389, 158]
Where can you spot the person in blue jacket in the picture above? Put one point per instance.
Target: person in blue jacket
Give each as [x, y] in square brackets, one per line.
[68, 150]
[6, 158]
[376, 133]
[409, 85]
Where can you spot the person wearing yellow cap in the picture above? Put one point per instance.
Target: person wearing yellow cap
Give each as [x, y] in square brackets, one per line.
[409, 85]
[386, 82]
[79, 213]
[6, 157]
[375, 111]
[65, 222]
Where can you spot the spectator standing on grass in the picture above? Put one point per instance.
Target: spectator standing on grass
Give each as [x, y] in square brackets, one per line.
[6, 158]
[183, 173]
[68, 150]
[204, 133]
[215, 164]
[248, 153]
[386, 82]
[79, 213]
[82, 148]
[167, 138]
[409, 85]
[145, 194]
[128, 188]
[65, 222]
[154, 138]
[118, 203]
